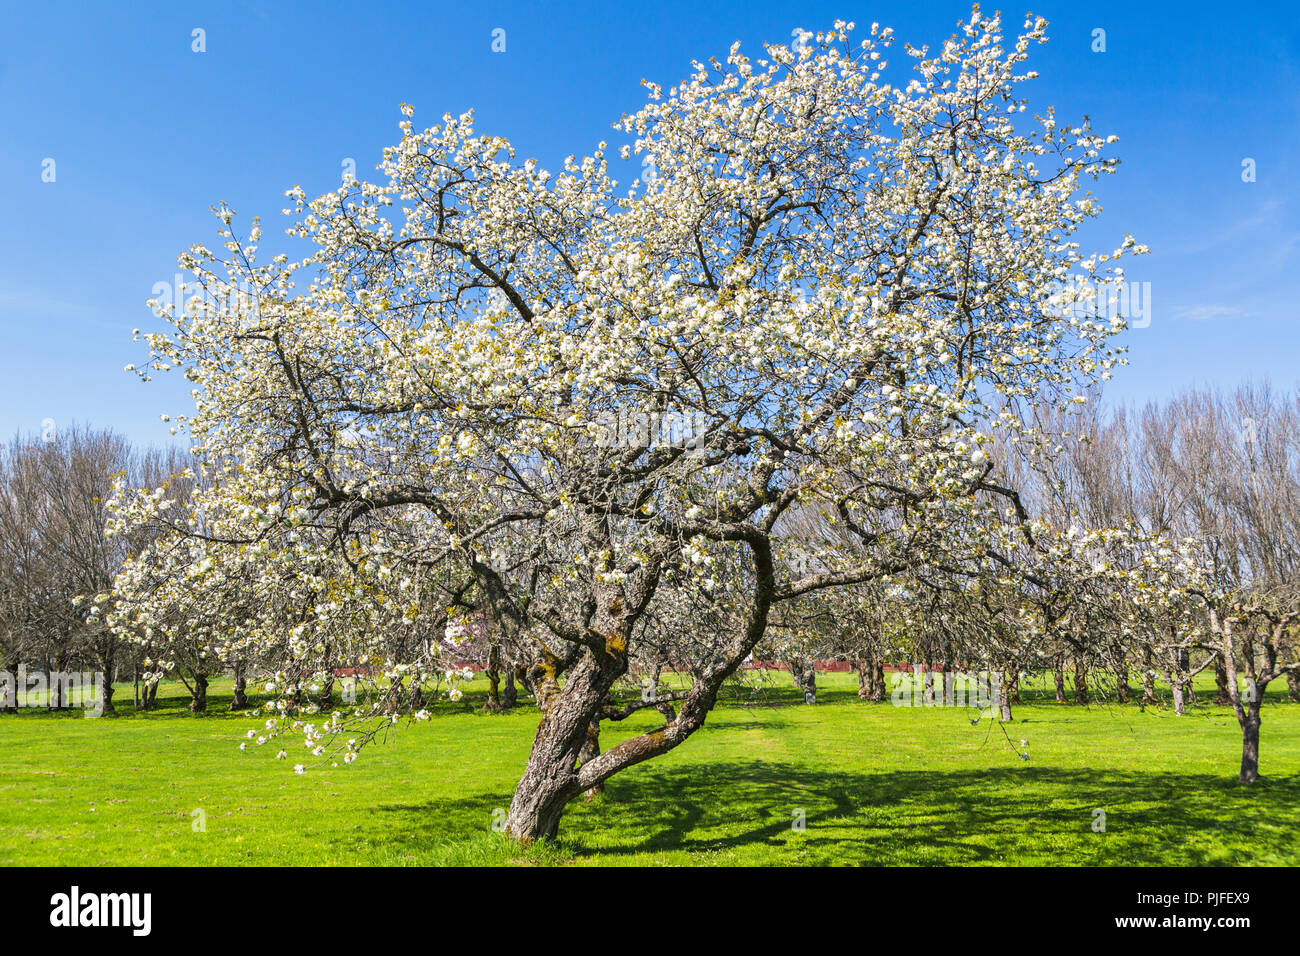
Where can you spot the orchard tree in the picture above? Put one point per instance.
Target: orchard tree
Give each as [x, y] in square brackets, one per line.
[55, 554]
[831, 292]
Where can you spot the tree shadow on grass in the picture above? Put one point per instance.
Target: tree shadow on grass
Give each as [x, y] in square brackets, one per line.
[745, 812]
[963, 816]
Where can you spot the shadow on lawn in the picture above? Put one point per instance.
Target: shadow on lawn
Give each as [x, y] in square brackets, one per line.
[967, 816]
[958, 817]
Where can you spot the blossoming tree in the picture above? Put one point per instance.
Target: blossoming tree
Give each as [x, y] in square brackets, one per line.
[829, 294]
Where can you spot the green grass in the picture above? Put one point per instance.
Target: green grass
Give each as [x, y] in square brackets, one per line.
[877, 784]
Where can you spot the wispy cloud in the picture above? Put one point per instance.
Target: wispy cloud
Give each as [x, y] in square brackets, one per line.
[1208, 311]
[21, 305]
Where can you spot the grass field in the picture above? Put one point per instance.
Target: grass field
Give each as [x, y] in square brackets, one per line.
[877, 785]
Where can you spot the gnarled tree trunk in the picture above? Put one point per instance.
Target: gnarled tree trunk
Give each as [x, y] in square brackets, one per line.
[239, 700]
[878, 690]
[550, 780]
[863, 670]
[590, 751]
[199, 695]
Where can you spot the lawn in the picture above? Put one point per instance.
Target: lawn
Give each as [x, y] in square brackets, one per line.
[876, 784]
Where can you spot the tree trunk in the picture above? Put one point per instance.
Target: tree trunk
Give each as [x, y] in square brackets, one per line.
[538, 804]
[1059, 675]
[526, 682]
[1121, 682]
[862, 669]
[493, 672]
[327, 691]
[1293, 686]
[240, 699]
[927, 685]
[804, 676]
[1080, 682]
[590, 751]
[54, 686]
[199, 696]
[1221, 695]
[550, 780]
[1148, 680]
[1250, 747]
[1013, 685]
[510, 695]
[1004, 703]
[9, 695]
[878, 690]
[809, 684]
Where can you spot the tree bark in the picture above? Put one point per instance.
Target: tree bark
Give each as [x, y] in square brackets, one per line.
[804, 677]
[1080, 682]
[878, 690]
[1059, 675]
[199, 696]
[327, 691]
[510, 694]
[863, 670]
[1180, 704]
[493, 672]
[525, 680]
[1250, 747]
[590, 751]
[55, 685]
[106, 655]
[1148, 679]
[239, 700]
[550, 780]
[1221, 695]
[1004, 702]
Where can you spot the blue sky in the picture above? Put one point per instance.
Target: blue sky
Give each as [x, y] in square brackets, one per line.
[147, 134]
